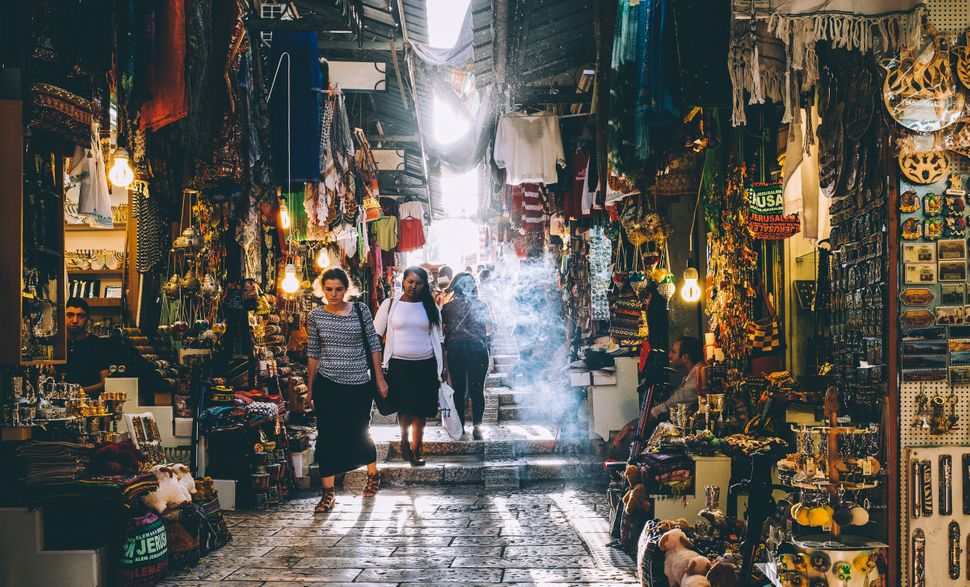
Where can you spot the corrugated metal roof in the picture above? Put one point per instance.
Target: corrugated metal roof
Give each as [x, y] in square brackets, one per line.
[549, 38]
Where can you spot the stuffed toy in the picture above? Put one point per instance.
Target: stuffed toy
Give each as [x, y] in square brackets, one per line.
[184, 476]
[169, 492]
[636, 500]
[632, 475]
[695, 581]
[723, 573]
[680, 558]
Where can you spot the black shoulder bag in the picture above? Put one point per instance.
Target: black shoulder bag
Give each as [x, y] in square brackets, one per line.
[384, 405]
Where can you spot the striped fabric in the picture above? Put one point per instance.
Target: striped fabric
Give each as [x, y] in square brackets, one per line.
[337, 342]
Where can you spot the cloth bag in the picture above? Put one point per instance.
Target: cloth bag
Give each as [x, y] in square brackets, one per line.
[384, 404]
[449, 413]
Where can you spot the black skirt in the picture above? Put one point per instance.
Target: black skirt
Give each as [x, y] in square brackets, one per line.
[414, 387]
[343, 426]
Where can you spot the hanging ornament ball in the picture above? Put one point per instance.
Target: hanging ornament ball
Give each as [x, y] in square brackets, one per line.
[860, 517]
[667, 289]
[659, 274]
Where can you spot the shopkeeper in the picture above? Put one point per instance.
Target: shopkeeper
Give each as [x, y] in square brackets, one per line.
[685, 356]
[87, 355]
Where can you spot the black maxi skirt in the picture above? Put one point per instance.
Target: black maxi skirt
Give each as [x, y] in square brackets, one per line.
[414, 387]
[343, 426]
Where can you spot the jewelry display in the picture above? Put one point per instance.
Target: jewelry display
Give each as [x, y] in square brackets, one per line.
[954, 551]
[946, 485]
[926, 486]
[919, 558]
[966, 486]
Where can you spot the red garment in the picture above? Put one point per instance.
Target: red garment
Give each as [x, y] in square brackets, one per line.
[516, 204]
[166, 74]
[572, 201]
[533, 213]
[410, 235]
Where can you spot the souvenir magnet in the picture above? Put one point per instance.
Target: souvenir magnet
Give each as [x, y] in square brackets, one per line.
[946, 485]
[933, 229]
[916, 318]
[954, 227]
[908, 202]
[917, 296]
[911, 229]
[954, 205]
[919, 558]
[932, 205]
[953, 534]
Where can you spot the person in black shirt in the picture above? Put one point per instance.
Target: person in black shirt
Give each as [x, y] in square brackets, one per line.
[87, 355]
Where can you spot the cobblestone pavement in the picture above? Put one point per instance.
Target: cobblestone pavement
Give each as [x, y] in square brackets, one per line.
[550, 534]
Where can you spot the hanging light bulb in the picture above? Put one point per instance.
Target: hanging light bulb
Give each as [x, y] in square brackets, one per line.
[284, 215]
[323, 259]
[121, 174]
[290, 283]
[690, 292]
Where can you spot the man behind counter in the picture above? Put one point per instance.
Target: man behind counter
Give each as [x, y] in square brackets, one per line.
[685, 355]
[87, 356]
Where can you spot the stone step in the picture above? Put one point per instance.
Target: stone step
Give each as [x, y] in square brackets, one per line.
[457, 470]
[501, 358]
[496, 380]
[500, 442]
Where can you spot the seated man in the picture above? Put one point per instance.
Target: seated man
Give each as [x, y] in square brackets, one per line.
[686, 357]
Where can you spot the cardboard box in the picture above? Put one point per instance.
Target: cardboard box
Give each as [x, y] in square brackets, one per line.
[580, 378]
[163, 398]
[603, 377]
[227, 493]
[183, 427]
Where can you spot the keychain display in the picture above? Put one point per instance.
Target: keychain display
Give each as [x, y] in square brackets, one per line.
[954, 550]
[918, 558]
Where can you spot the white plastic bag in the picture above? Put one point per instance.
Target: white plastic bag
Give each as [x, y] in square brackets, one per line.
[449, 414]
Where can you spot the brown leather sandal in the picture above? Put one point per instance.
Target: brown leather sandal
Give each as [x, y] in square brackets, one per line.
[327, 501]
[373, 485]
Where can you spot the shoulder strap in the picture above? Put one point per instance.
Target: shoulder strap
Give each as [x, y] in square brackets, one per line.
[363, 331]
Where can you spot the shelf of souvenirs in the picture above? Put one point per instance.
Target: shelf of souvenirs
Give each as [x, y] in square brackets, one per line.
[116, 227]
[97, 272]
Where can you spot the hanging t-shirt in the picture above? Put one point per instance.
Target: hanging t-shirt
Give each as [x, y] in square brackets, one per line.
[385, 232]
[529, 147]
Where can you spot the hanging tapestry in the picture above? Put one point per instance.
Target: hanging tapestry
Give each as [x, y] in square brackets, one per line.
[767, 221]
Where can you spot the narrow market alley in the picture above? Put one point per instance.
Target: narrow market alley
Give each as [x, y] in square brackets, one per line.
[551, 533]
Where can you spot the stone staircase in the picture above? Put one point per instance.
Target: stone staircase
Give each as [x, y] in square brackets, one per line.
[522, 441]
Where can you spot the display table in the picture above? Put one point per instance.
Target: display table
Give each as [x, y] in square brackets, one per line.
[175, 431]
[708, 471]
[613, 402]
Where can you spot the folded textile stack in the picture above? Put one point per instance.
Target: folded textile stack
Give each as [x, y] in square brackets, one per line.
[54, 462]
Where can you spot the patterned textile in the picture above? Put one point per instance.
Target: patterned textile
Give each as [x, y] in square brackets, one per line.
[337, 342]
[149, 225]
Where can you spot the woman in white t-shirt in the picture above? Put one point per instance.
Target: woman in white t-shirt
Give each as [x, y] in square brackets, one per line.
[411, 327]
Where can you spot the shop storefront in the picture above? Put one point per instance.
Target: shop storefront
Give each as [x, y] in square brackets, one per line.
[733, 273]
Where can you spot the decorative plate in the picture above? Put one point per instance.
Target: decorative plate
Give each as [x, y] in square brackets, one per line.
[919, 90]
[924, 167]
[917, 296]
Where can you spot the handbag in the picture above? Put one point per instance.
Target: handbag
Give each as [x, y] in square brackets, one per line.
[384, 404]
[450, 420]
[764, 335]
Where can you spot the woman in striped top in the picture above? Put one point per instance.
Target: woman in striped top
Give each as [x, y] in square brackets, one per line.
[341, 385]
